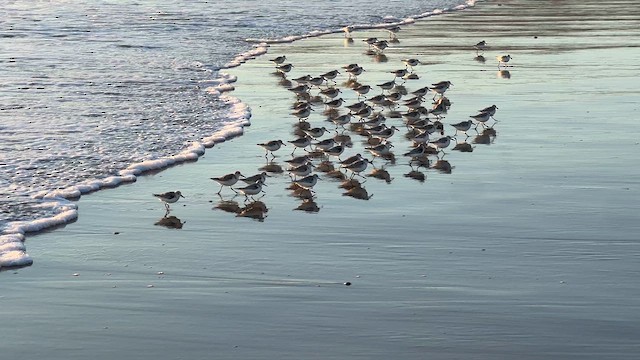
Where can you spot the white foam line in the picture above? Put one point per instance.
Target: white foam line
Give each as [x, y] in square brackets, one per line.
[12, 250]
[406, 21]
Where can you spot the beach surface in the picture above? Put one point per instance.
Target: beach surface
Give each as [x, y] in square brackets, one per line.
[527, 248]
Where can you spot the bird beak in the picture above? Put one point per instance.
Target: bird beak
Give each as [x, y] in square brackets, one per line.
[182, 196]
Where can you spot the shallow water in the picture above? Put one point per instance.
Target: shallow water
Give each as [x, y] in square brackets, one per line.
[528, 249]
[90, 88]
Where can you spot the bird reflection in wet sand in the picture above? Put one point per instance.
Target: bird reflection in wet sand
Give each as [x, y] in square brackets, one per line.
[505, 74]
[355, 190]
[463, 147]
[170, 222]
[443, 166]
[486, 137]
[229, 206]
[272, 167]
[481, 59]
[308, 205]
[256, 210]
[381, 174]
[416, 175]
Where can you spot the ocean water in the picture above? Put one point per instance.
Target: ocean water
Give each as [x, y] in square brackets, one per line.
[94, 93]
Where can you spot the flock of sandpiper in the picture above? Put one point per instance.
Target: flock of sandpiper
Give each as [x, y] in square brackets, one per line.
[422, 112]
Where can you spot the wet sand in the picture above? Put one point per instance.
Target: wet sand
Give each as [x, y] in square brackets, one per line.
[528, 249]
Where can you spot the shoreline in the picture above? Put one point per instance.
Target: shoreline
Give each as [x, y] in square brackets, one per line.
[526, 249]
[14, 233]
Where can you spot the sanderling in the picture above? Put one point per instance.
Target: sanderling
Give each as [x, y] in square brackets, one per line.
[279, 60]
[169, 198]
[480, 46]
[307, 182]
[422, 137]
[491, 110]
[364, 112]
[442, 143]
[503, 59]
[334, 151]
[347, 31]
[351, 159]
[387, 85]
[271, 146]
[411, 63]
[370, 41]
[330, 92]
[300, 89]
[252, 189]
[341, 120]
[385, 133]
[302, 143]
[302, 79]
[481, 118]
[316, 132]
[301, 170]
[362, 89]
[380, 45]
[357, 166]
[227, 180]
[334, 104]
[302, 113]
[355, 71]
[380, 150]
[421, 92]
[438, 110]
[325, 144]
[417, 151]
[285, 68]
[298, 160]
[399, 73]
[463, 126]
[330, 75]
[261, 177]
[394, 96]
[316, 81]
[441, 87]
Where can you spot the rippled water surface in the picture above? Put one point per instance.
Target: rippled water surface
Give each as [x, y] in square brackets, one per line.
[89, 87]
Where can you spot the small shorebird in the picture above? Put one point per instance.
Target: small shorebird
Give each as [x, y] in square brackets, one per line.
[356, 167]
[463, 126]
[351, 159]
[299, 90]
[491, 110]
[380, 150]
[441, 87]
[302, 143]
[441, 143]
[387, 85]
[330, 75]
[334, 104]
[334, 151]
[279, 60]
[330, 92]
[227, 180]
[354, 71]
[421, 92]
[262, 177]
[271, 146]
[285, 68]
[341, 120]
[503, 59]
[399, 73]
[307, 182]
[385, 133]
[362, 90]
[169, 198]
[301, 170]
[411, 63]
[316, 81]
[380, 45]
[370, 41]
[325, 144]
[481, 118]
[298, 160]
[252, 189]
[302, 113]
[316, 132]
[481, 46]
[347, 31]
